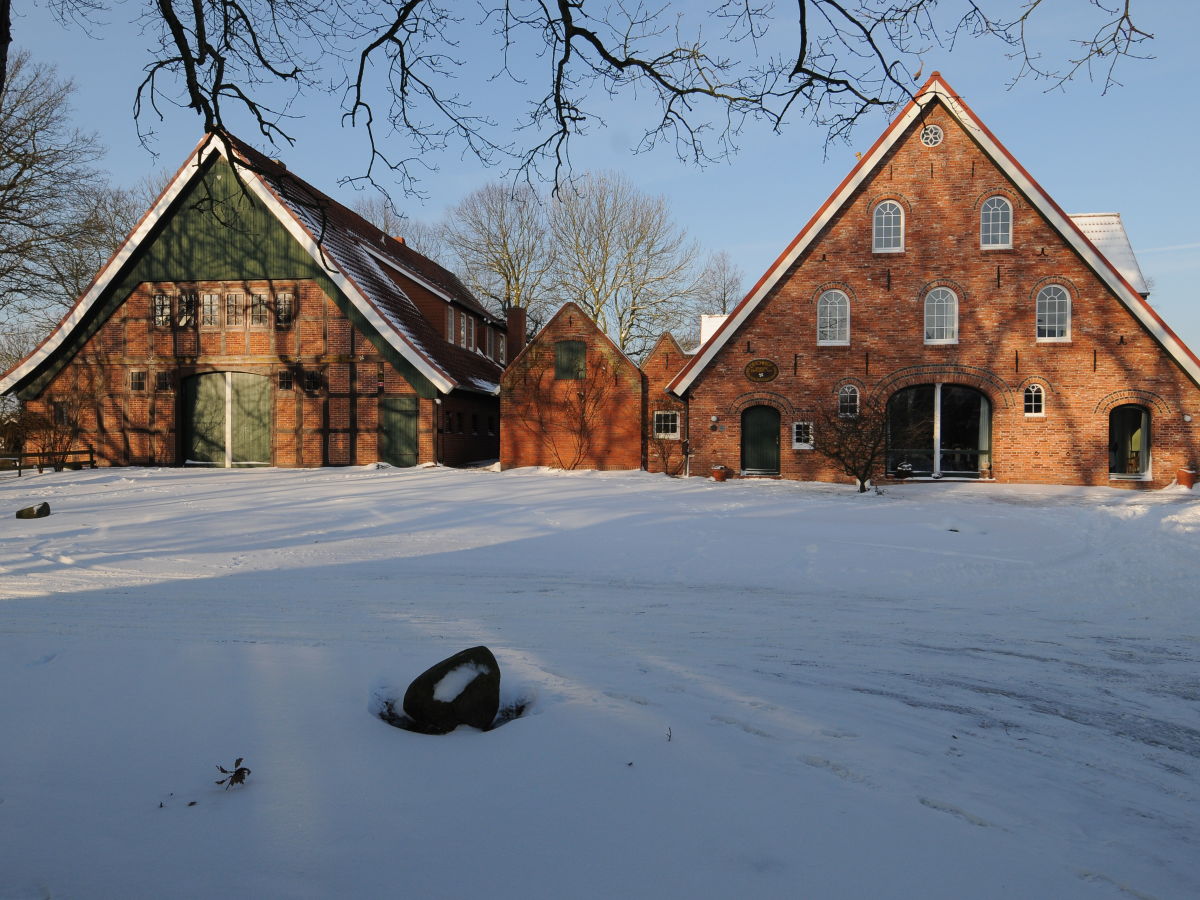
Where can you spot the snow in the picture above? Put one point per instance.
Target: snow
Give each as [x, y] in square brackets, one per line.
[455, 681]
[750, 689]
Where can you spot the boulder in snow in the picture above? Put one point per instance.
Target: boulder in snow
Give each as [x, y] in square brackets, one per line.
[40, 511]
[461, 690]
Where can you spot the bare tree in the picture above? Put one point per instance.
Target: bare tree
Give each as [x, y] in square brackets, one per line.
[700, 72]
[377, 208]
[620, 256]
[852, 436]
[501, 240]
[719, 287]
[49, 193]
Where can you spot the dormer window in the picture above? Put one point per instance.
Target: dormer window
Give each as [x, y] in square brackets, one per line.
[888, 228]
[995, 224]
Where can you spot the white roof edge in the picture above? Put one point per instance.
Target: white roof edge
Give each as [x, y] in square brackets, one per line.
[64, 328]
[286, 218]
[1104, 269]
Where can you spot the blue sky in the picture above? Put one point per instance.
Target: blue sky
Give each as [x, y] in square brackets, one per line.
[1132, 150]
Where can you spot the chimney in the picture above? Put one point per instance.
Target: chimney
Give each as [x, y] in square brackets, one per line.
[515, 342]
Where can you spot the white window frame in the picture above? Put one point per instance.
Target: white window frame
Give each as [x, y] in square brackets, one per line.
[881, 231]
[989, 230]
[665, 415]
[844, 392]
[462, 329]
[950, 333]
[1037, 394]
[450, 324]
[471, 332]
[840, 322]
[1065, 337]
[800, 431]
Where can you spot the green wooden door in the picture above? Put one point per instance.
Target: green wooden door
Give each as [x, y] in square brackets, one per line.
[202, 415]
[760, 441]
[250, 431]
[225, 419]
[398, 430]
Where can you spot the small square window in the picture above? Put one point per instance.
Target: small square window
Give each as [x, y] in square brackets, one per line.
[284, 381]
[285, 310]
[802, 435]
[162, 381]
[137, 381]
[235, 305]
[162, 310]
[259, 311]
[210, 310]
[186, 314]
[666, 425]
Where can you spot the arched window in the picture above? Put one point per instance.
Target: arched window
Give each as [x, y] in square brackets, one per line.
[1035, 400]
[995, 224]
[1053, 314]
[941, 316]
[848, 401]
[888, 228]
[833, 318]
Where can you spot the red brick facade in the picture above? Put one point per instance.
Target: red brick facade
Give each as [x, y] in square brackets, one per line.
[572, 400]
[665, 414]
[1109, 357]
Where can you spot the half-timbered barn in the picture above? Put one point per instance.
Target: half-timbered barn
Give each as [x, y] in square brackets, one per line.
[249, 319]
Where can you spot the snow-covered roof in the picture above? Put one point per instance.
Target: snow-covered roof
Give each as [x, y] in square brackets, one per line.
[375, 271]
[937, 90]
[1107, 232]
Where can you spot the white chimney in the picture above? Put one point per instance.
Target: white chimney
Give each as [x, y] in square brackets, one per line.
[709, 326]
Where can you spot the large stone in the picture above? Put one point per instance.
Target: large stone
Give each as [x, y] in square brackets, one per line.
[34, 512]
[461, 690]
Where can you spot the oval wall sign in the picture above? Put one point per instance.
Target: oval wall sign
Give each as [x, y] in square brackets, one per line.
[761, 370]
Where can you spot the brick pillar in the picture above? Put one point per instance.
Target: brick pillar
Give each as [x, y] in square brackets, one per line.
[515, 340]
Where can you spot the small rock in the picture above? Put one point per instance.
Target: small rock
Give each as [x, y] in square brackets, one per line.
[34, 512]
[461, 690]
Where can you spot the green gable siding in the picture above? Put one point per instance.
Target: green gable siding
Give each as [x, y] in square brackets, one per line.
[216, 231]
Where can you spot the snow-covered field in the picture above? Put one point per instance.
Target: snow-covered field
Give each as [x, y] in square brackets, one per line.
[742, 690]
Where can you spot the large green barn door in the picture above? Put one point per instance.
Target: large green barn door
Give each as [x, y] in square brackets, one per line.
[398, 430]
[226, 419]
[250, 435]
[760, 440]
[203, 419]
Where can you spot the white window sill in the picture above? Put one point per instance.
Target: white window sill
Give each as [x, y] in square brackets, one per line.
[942, 343]
[1062, 340]
[1040, 415]
[802, 446]
[891, 250]
[833, 343]
[996, 247]
[1116, 477]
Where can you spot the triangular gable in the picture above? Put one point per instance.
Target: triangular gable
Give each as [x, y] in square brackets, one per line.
[571, 307]
[344, 261]
[936, 89]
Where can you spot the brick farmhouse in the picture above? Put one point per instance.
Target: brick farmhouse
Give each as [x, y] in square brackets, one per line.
[1004, 338]
[251, 320]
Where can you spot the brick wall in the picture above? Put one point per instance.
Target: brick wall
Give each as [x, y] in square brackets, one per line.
[1110, 358]
[331, 419]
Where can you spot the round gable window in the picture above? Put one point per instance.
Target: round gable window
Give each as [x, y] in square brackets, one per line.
[931, 135]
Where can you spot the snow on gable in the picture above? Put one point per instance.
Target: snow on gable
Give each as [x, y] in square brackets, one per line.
[1107, 232]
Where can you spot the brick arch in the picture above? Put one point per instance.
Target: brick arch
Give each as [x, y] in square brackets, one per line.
[998, 190]
[1060, 280]
[995, 388]
[834, 286]
[850, 380]
[1156, 402]
[760, 398]
[890, 195]
[959, 290]
[1046, 384]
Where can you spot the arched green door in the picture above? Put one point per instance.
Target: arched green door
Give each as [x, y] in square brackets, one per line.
[760, 440]
[225, 419]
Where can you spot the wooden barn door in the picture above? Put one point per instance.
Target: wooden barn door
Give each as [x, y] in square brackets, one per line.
[225, 419]
[398, 430]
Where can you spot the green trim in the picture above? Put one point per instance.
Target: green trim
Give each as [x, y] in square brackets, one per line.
[215, 231]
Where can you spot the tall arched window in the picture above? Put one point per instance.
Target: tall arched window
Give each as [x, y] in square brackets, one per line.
[995, 224]
[888, 228]
[1053, 314]
[941, 316]
[833, 318]
[1035, 400]
[848, 401]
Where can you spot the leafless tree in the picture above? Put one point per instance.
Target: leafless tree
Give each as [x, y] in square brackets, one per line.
[49, 193]
[719, 288]
[855, 439]
[699, 73]
[378, 209]
[620, 256]
[501, 243]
